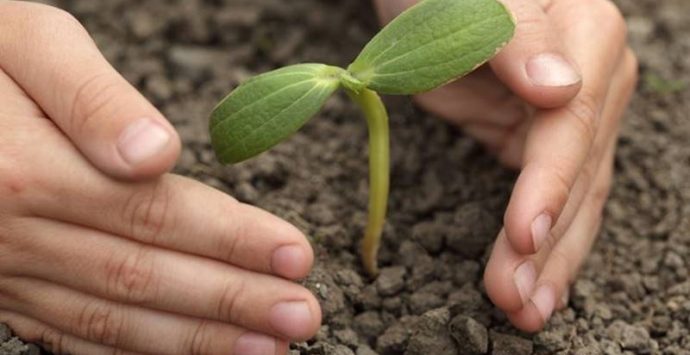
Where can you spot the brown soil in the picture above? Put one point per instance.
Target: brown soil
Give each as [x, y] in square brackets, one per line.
[632, 296]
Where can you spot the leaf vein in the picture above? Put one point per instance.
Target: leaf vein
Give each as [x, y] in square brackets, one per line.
[244, 140]
[434, 41]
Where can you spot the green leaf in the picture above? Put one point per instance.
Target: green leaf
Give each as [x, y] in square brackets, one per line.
[433, 43]
[269, 108]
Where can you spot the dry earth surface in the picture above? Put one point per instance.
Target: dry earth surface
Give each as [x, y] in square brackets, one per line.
[632, 296]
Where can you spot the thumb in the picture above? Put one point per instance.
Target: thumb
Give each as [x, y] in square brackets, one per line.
[535, 64]
[107, 119]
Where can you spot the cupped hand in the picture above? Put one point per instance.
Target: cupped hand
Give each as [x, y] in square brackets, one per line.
[101, 252]
[549, 104]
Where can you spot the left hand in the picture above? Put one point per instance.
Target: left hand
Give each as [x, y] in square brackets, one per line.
[549, 104]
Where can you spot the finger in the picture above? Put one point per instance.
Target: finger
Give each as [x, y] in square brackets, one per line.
[183, 215]
[490, 136]
[172, 212]
[128, 272]
[14, 101]
[507, 144]
[510, 276]
[622, 86]
[566, 257]
[560, 140]
[54, 340]
[131, 328]
[536, 64]
[477, 98]
[59, 66]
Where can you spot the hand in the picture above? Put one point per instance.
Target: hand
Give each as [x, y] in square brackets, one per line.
[90, 264]
[550, 104]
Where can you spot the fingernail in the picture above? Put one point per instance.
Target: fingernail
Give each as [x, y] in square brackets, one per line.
[541, 227]
[142, 140]
[544, 300]
[288, 261]
[551, 70]
[525, 277]
[255, 344]
[292, 319]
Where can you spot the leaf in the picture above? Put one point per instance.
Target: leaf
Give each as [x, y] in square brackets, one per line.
[433, 43]
[269, 108]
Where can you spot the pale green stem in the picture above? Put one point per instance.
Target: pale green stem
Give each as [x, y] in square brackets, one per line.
[379, 173]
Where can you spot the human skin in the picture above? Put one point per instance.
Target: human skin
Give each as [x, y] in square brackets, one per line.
[100, 252]
[112, 258]
[549, 104]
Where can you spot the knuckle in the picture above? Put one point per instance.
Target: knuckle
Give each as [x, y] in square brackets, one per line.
[148, 212]
[230, 244]
[53, 340]
[14, 179]
[93, 96]
[9, 249]
[101, 322]
[132, 279]
[585, 112]
[200, 341]
[532, 26]
[228, 304]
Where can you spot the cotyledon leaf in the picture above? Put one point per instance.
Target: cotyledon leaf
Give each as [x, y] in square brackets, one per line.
[269, 108]
[433, 43]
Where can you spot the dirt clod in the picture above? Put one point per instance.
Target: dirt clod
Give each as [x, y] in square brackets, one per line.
[504, 344]
[391, 280]
[430, 335]
[471, 336]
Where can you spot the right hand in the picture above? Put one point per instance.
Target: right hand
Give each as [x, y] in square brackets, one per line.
[100, 251]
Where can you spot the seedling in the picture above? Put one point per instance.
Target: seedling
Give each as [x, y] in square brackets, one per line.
[430, 44]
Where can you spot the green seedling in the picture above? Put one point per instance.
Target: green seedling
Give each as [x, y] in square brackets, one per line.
[429, 45]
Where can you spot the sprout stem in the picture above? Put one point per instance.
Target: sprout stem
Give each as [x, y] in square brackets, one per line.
[379, 173]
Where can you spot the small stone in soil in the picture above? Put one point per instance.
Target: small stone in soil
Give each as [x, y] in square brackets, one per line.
[472, 336]
[391, 280]
[421, 302]
[504, 344]
[346, 336]
[630, 337]
[394, 339]
[369, 323]
[429, 235]
[554, 339]
[342, 350]
[13, 347]
[431, 335]
[471, 240]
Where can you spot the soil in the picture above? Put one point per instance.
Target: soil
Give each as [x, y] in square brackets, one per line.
[632, 296]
